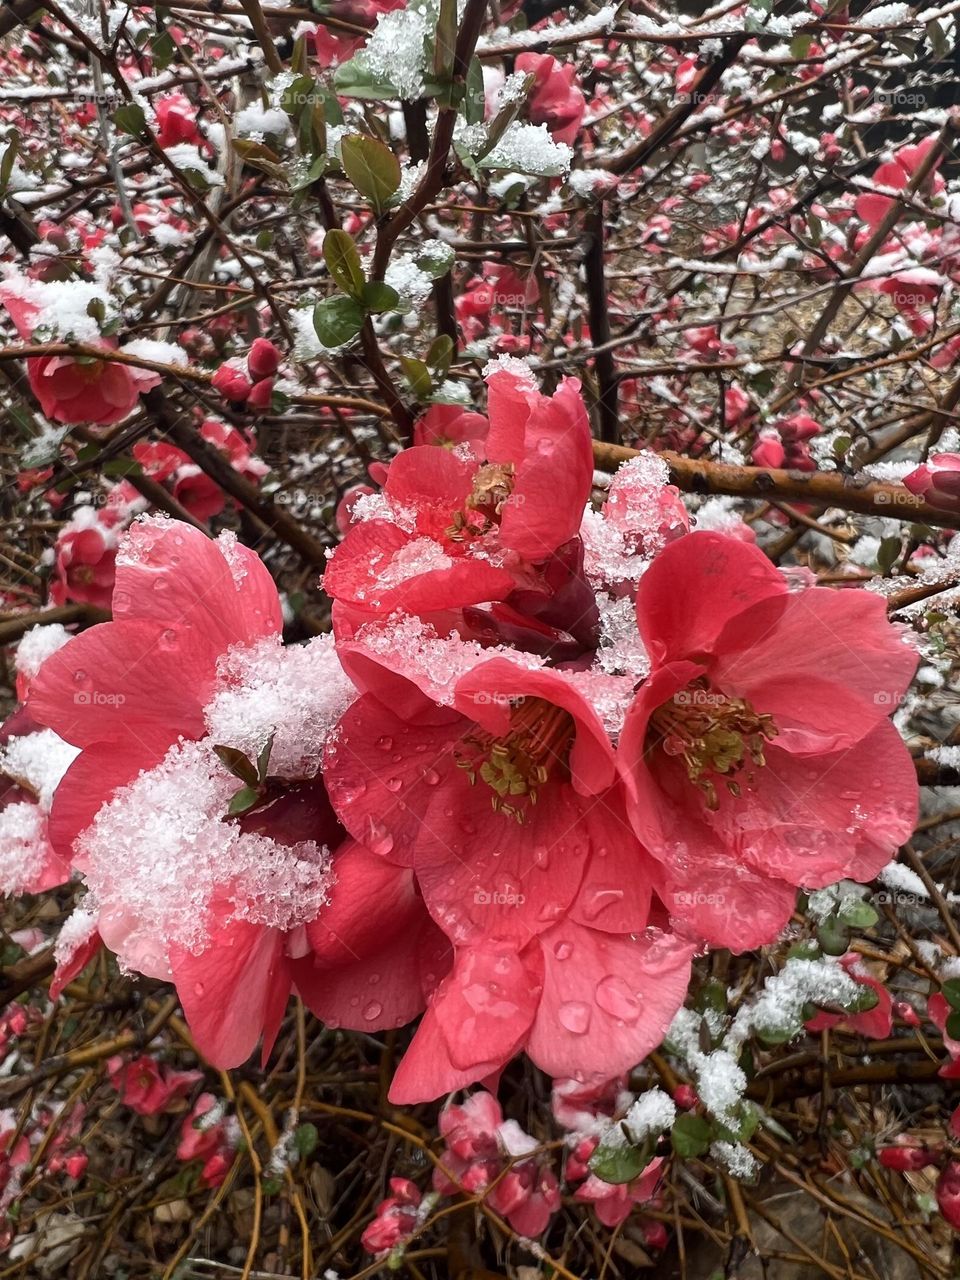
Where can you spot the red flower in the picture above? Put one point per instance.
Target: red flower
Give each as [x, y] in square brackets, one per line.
[146, 1086]
[453, 531]
[556, 98]
[937, 480]
[177, 120]
[758, 756]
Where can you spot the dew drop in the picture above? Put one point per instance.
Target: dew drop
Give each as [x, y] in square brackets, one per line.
[385, 743]
[378, 839]
[615, 996]
[563, 950]
[575, 1016]
[373, 1010]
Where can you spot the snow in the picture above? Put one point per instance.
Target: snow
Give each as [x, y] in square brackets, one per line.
[652, 1112]
[296, 692]
[396, 51]
[156, 351]
[159, 856]
[39, 643]
[530, 149]
[902, 879]
[62, 306]
[186, 157]
[412, 284]
[38, 760]
[778, 1009]
[22, 845]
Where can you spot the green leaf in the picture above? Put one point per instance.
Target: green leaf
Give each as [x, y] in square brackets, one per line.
[417, 375]
[952, 1026]
[244, 799]
[690, 1136]
[297, 95]
[446, 40]
[305, 1139]
[833, 936]
[951, 990]
[372, 168]
[263, 759]
[121, 467]
[865, 1000]
[337, 320]
[617, 1162]
[379, 297]
[474, 102]
[352, 80]
[440, 355]
[238, 764]
[6, 164]
[343, 262]
[315, 171]
[857, 914]
[163, 49]
[887, 554]
[130, 119]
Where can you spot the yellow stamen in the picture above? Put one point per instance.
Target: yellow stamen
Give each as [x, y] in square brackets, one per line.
[520, 762]
[714, 736]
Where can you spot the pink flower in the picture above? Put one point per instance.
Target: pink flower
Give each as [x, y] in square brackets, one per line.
[456, 531]
[948, 1193]
[177, 120]
[206, 1136]
[84, 565]
[556, 99]
[146, 1086]
[937, 480]
[907, 1157]
[260, 394]
[479, 1143]
[614, 1203]
[130, 692]
[895, 175]
[444, 790]
[263, 359]
[232, 382]
[76, 390]
[449, 425]
[875, 1022]
[758, 756]
[395, 1218]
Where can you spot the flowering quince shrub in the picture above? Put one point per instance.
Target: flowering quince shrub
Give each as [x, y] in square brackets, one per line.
[479, 573]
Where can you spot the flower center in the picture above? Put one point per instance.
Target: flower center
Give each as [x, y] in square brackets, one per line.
[516, 765]
[492, 486]
[714, 736]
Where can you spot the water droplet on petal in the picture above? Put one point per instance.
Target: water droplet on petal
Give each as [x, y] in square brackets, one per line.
[393, 784]
[431, 777]
[575, 1017]
[563, 950]
[616, 997]
[378, 839]
[385, 743]
[373, 1010]
[598, 900]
